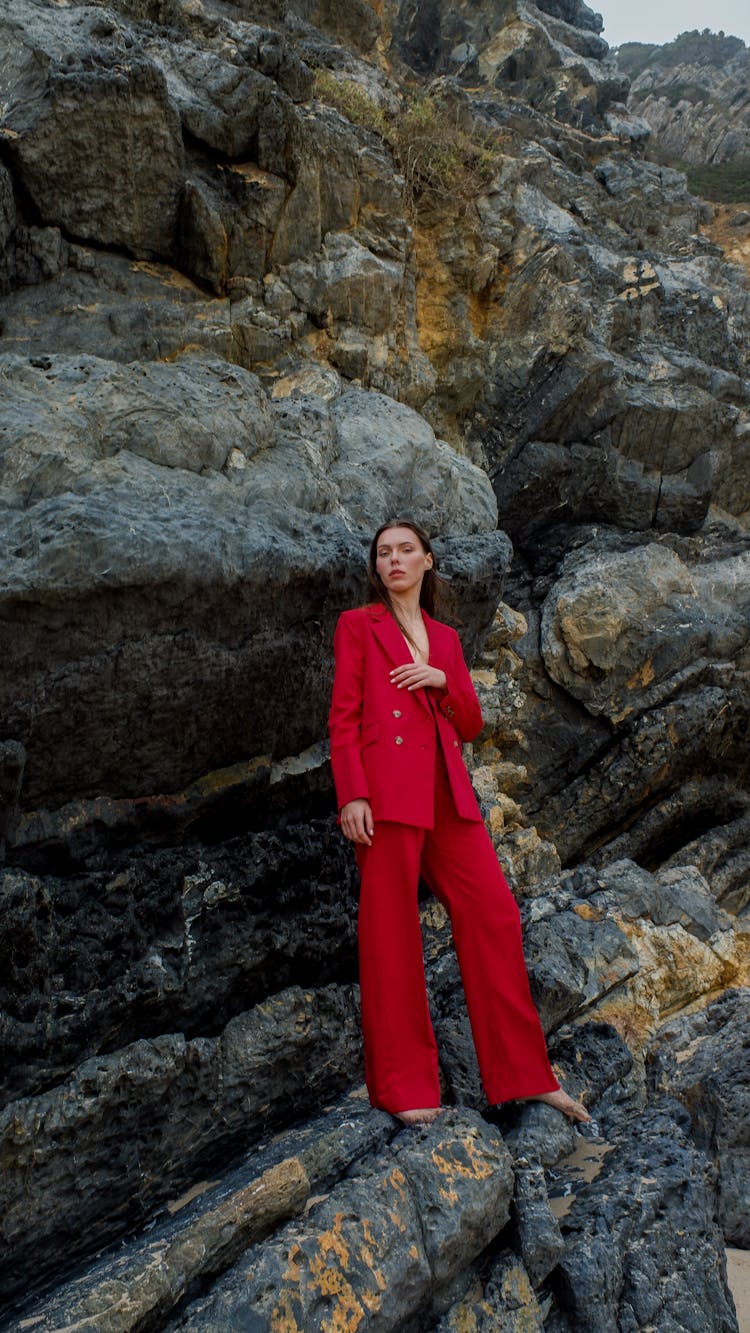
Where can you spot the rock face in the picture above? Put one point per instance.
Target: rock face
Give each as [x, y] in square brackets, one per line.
[693, 92]
[271, 274]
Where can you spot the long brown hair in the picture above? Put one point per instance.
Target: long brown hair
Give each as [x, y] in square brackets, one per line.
[429, 593]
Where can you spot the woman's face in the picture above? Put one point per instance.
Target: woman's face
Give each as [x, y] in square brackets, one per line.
[401, 560]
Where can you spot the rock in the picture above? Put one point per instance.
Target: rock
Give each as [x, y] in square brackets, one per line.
[198, 933]
[537, 1234]
[740, 219]
[722, 857]
[136, 311]
[231, 107]
[347, 285]
[703, 1060]
[168, 474]
[691, 91]
[667, 757]
[381, 431]
[208, 1229]
[12, 762]
[140, 1123]
[240, 339]
[385, 1239]
[95, 138]
[655, 1189]
[574, 958]
[550, 51]
[227, 223]
[500, 1301]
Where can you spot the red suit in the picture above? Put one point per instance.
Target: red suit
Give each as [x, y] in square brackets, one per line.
[401, 750]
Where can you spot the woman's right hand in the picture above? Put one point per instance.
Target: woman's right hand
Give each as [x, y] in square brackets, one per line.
[356, 821]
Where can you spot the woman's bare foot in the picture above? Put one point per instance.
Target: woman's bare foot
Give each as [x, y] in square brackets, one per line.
[561, 1102]
[423, 1116]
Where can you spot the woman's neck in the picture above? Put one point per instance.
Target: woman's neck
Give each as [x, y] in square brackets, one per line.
[407, 607]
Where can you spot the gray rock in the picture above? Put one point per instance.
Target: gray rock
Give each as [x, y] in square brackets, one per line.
[142, 1280]
[641, 1243]
[722, 855]
[139, 1124]
[95, 138]
[169, 476]
[692, 93]
[386, 1238]
[536, 1232]
[703, 1060]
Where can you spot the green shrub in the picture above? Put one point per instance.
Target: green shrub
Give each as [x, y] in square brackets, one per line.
[686, 49]
[440, 161]
[352, 101]
[725, 183]
[678, 92]
[633, 57]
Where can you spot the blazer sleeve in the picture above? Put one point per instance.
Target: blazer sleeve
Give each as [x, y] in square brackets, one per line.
[459, 701]
[345, 717]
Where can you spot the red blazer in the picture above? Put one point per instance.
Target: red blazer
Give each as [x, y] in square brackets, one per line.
[382, 738]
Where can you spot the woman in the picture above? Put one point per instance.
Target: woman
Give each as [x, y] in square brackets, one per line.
[403, 702]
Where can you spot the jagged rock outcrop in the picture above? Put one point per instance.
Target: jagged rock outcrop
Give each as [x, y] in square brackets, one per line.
[245, 316]
[693, 92]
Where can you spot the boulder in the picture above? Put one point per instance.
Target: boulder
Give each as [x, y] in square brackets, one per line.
[641, 1241]
[702, 1059]
[95, 138]
[139, 1124]
[384, 1240]
[169, 476]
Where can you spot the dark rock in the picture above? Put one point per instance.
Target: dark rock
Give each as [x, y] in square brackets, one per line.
[641, 1243]
[234, 110]
[196, 933]
[137, 312]
[382, 1242]
[96, 140]
[501, 1299]
[722, 855]
[659, 750]
[535, 1229]
[140, 1281]
[139, 1124]
[703, 1060]
[573, 961]
[12, 762]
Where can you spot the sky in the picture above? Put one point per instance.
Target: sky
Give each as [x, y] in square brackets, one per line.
[661, 20]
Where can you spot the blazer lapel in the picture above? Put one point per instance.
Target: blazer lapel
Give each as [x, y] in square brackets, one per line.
[392, 640]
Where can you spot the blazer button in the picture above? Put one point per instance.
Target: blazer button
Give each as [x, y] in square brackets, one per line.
[397, 712]
[456, 744]
[399, 740]
[449, 712]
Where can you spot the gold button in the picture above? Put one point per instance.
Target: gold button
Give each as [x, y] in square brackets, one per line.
[399, 740]
[397, 712]
[449, 712]
[455, 743]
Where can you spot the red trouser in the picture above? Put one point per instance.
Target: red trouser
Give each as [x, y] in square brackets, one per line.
[457, 860]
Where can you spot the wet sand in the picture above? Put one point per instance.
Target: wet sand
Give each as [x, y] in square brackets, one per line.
[580, 1167]
[738, 1272]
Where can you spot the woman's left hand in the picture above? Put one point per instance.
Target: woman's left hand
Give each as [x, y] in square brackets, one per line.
[417, 676]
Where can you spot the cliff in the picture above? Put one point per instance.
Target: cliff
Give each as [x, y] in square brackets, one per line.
[269, 274]
[695, 94]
